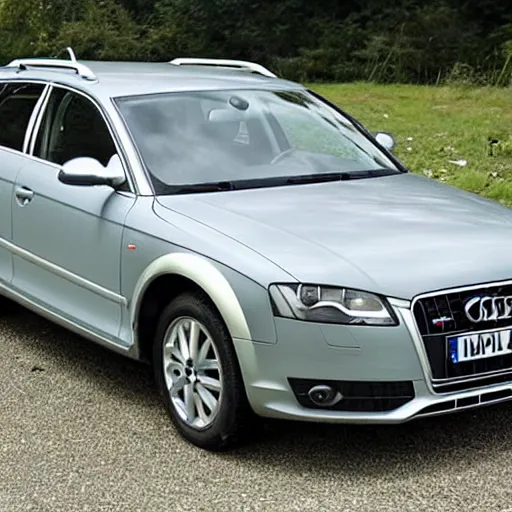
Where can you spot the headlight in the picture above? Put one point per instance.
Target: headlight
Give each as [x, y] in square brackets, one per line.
[330, 305]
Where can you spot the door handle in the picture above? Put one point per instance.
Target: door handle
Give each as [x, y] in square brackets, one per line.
[24, 195]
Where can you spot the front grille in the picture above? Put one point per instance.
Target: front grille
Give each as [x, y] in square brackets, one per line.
[358, 396]
[429, 310]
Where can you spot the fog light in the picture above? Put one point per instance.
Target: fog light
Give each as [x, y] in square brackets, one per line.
[324, 396]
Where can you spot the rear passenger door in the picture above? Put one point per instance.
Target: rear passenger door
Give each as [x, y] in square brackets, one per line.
[18, 102]
[70, 236]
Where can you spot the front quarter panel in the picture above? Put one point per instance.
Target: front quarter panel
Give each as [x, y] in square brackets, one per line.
[153, 247]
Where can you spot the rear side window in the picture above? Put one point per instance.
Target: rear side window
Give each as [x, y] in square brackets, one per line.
[17, 102]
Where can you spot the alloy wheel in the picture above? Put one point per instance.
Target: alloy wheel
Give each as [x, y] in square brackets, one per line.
[192, 371]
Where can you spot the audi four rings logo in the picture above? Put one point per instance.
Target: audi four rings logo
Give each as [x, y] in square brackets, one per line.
[486, 309]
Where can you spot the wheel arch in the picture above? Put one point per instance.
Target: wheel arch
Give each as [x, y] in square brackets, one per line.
[167, 277]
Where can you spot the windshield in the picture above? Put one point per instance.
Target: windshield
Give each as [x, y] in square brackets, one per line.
[248, 136]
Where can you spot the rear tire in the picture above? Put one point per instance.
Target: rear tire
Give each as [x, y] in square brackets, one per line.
[197, 373]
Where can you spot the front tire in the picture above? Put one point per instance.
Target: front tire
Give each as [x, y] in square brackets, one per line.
[198, 375]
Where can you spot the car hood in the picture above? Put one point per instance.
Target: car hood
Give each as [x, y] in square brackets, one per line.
[398, 235]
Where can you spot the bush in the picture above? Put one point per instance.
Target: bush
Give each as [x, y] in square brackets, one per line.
[418, 41]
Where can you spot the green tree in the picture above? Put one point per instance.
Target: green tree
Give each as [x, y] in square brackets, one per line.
[421, 41]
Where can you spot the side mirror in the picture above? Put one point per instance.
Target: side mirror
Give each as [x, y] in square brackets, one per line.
[88, 172]
[386, 140]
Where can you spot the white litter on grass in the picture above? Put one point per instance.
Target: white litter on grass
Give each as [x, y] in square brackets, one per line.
[410, 138]
[460, 163]
[386, 115]
[409, 149]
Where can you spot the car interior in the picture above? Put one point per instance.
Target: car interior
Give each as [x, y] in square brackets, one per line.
[78, 130]
[16, 107]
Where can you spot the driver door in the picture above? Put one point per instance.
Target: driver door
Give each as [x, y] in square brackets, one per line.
[68, 238]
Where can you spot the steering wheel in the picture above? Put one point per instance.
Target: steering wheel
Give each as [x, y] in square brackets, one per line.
[285, 154]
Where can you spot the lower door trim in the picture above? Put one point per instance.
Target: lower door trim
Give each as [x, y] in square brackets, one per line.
[47, 312]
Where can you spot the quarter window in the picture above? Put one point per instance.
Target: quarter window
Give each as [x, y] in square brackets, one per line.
[73, 127]
[17, 102]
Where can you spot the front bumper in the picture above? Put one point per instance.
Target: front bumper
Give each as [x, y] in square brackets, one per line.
[355, 354]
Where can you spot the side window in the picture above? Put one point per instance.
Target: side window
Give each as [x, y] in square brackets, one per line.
[17, 102]
[73, 127]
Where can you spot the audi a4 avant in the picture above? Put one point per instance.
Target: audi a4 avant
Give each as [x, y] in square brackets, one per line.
[257, 245]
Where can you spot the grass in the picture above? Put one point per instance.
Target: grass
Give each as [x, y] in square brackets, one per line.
[433, 125]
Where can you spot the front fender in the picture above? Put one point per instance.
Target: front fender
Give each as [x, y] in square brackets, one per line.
[207, 276]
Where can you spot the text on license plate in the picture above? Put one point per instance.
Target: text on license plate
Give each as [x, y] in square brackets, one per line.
[469, 347]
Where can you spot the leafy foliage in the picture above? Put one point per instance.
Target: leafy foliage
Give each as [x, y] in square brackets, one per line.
[421, 41]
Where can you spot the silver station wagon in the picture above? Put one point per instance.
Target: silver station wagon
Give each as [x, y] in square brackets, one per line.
[254, 243]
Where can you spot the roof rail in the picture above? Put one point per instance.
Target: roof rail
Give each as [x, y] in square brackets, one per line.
[224, 63]
[73, 64]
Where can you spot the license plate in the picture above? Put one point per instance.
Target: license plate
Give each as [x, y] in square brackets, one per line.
[481, 345]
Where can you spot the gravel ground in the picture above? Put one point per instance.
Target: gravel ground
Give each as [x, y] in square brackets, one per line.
[82, 429]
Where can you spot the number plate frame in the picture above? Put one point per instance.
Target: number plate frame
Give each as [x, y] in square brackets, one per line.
[473, 346]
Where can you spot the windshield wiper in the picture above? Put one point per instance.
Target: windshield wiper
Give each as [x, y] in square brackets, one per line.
[337, 176]
[195, 188]
[275, 181]
[317, 178]
[223, 186]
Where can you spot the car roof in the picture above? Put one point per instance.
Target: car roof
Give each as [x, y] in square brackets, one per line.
[117, 79]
